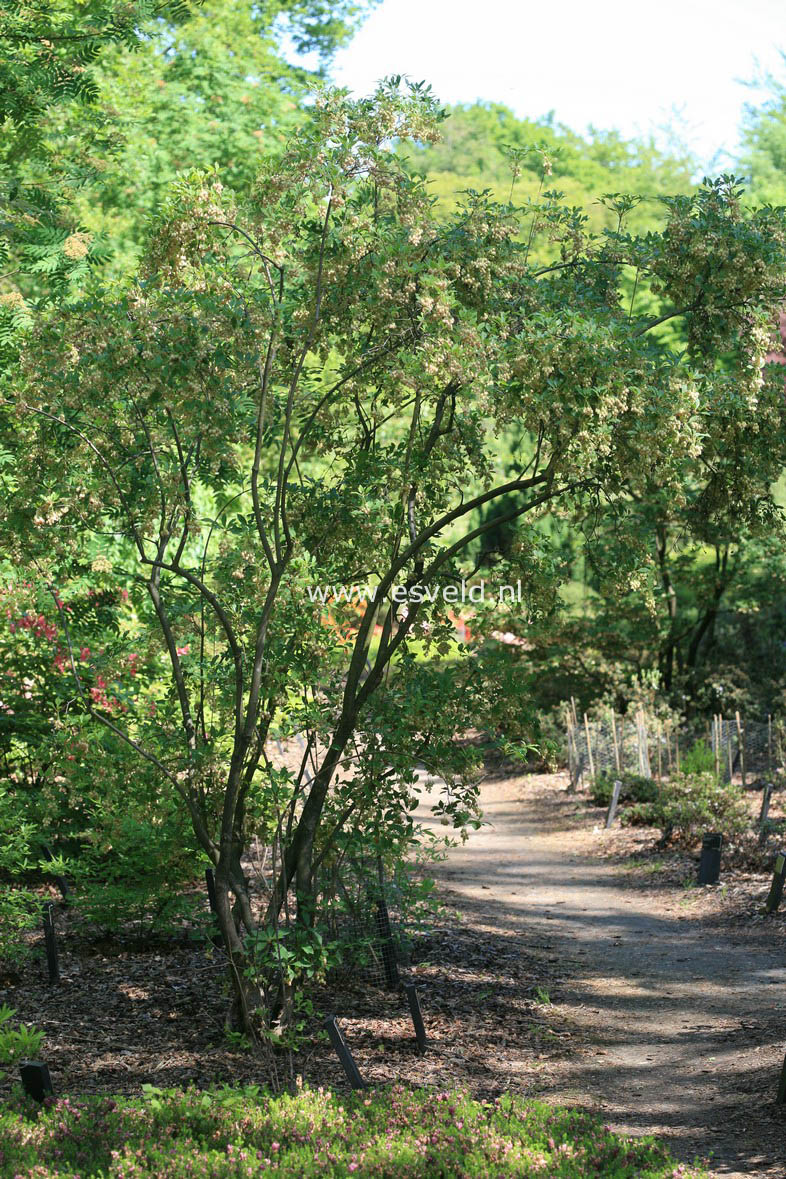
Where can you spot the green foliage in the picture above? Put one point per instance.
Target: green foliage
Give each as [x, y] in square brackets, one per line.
[697, 760]
[389, 1132]
[635, 788]
[764, 143]
[18, 908]
[485, 146]
[68, 783]
[690, 805]
[305, 387]
[17, 1041]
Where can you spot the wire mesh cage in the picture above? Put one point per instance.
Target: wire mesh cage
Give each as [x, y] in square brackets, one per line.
[739, 749]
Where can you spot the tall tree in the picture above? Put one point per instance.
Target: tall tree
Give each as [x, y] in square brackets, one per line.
[306, 391]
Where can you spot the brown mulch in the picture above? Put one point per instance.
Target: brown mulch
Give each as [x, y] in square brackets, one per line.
[125, 1015]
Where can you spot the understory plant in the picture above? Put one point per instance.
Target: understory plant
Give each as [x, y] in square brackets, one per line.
[17, 1041]
[690, 805]
[285, 435]
[392, 1132]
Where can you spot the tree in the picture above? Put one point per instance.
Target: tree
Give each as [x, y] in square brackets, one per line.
[305, 391]
[763, 155]
[101, 103]
[485, 145]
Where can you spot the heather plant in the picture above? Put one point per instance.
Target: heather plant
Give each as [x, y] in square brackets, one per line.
[307, 388]
[388, 1132]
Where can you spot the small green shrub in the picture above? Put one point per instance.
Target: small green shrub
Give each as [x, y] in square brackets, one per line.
[388, 1133]
[17, 1042]
[18, 905]
[634, 788]
[691, 804]
[699, 759]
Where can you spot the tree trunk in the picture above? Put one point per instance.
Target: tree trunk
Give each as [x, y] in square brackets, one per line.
[247, 1010]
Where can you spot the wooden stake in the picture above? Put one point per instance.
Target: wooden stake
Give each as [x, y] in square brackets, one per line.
[575, 714]
[741, 746]
[616, 746]
[659, 755]
[571, 765]
[589, 748]
[716, 744]
[731, 768]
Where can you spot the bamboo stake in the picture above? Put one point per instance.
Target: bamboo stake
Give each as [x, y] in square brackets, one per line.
[716, 744]
[659, 755]
[728, 747]
[741, 746]
[589, 748]
[616, 746]
[570, 744]
[668, 746]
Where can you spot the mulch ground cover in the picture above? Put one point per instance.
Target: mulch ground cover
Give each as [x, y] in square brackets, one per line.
[125, 1015]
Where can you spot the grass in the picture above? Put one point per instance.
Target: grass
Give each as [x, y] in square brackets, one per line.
[388, 1132]
[649, 867]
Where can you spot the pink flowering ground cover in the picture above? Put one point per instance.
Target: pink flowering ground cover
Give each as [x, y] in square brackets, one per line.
[400, 1132]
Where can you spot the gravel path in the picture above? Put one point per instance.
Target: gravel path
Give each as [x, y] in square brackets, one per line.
[678, 1022]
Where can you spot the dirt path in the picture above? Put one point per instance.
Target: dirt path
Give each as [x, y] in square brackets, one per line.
[678, 1023]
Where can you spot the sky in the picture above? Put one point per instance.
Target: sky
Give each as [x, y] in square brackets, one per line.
[674, 67]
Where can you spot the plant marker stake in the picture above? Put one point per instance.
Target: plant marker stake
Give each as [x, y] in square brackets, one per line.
[765, 810]
[50, 939]
[778, 881]
[36, 1081]
[343, 1053]
[615, 798]
[386, 944]
[781, 1098]
[709, 865]
[417, 1016]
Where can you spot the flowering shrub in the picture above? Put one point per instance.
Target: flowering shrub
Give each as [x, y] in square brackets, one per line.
[391, 1132]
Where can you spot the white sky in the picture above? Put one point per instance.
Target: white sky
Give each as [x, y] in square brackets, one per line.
[610, 63]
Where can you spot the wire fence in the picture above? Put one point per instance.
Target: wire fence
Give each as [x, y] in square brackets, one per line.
[364, 908]
[736, 748]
